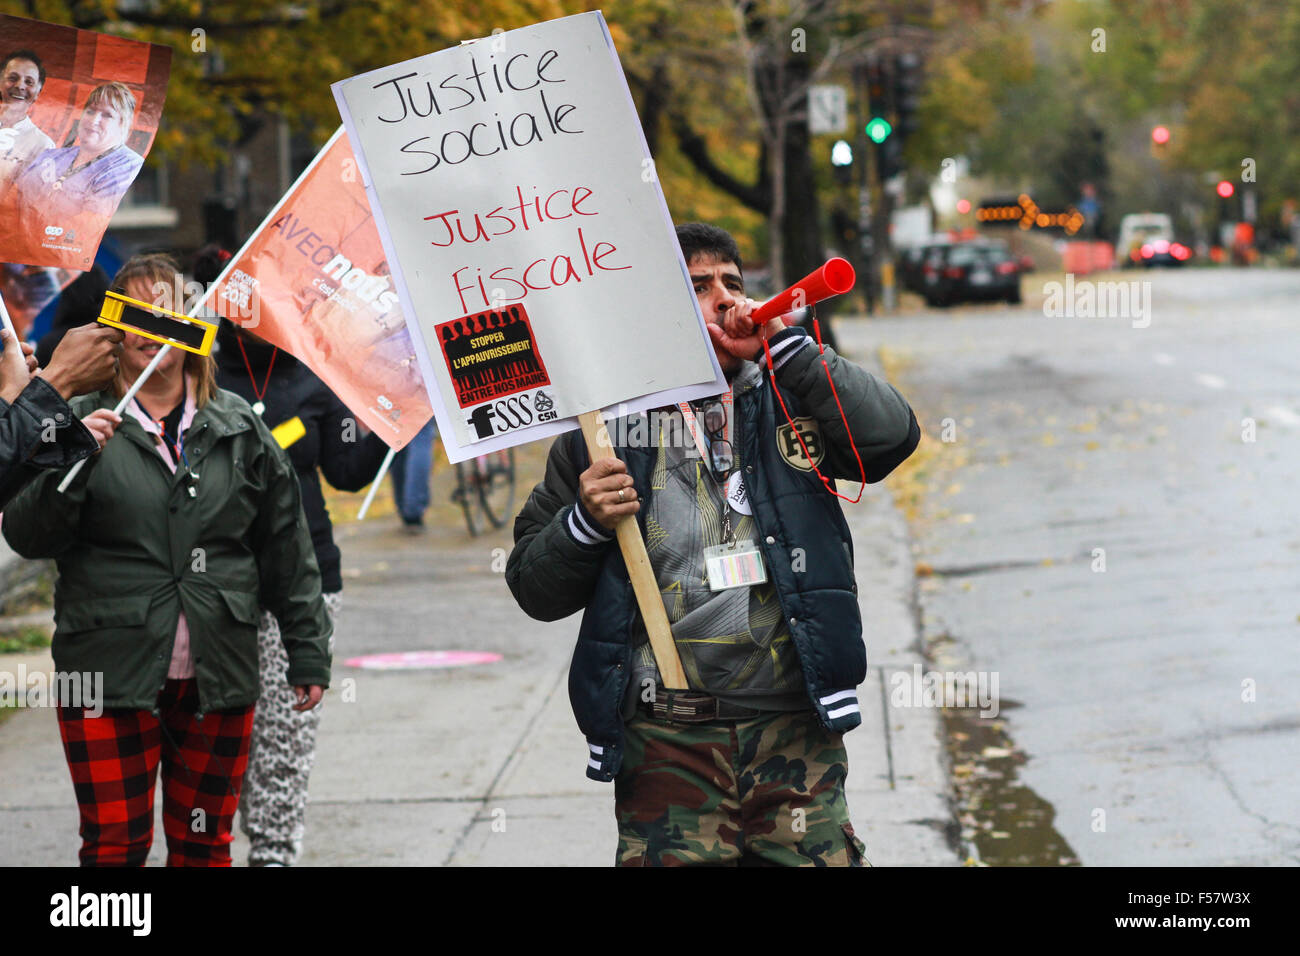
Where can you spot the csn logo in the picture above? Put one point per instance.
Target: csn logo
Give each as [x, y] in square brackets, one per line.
[54, 230]
[545, 407]
[497, 417]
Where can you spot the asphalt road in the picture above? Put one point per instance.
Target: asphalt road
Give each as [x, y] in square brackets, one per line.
[1158, 696]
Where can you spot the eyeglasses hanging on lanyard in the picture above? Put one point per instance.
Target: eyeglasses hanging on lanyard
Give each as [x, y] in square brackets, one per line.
[721, 457]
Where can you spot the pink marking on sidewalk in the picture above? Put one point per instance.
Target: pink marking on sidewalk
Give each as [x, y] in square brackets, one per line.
[421, 660]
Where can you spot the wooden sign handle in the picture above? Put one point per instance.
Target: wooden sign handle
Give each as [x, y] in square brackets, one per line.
[638, 568]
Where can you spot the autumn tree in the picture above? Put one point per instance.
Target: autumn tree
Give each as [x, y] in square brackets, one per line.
[721, 75]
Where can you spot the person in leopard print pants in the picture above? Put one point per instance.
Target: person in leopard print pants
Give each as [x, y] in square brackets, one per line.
[273, 803]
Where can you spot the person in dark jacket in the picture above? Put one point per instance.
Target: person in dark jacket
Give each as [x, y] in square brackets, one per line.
[321, 437]
[166, 545]
[754, 562]
[37, 427]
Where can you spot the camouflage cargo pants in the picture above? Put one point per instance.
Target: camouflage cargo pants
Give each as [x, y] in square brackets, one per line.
[762, 792]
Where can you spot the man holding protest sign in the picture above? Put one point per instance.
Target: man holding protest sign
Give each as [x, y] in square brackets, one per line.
[754, 561]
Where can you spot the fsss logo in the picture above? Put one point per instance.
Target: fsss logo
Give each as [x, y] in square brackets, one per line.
[789, 448]
[494, 418]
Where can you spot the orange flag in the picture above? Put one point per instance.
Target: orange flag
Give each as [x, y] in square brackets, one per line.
[313, 281]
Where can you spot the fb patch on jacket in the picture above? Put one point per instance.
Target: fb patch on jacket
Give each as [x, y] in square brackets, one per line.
[787, 444]
[161, 325]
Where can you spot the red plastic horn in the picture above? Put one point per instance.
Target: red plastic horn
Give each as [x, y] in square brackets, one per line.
[834, 278]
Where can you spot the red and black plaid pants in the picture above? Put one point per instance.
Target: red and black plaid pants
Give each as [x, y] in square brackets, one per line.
[114, 762]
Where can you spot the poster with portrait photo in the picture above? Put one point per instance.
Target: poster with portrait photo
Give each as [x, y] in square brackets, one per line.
[78, 114]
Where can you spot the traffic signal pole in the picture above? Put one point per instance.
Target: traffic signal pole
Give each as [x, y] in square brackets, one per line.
[881, 203]
[866, 179]
[888, 84]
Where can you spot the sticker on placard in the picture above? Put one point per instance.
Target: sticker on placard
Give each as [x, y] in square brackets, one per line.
[491, 355]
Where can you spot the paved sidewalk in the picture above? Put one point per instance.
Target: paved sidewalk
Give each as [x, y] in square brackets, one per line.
[484, 765]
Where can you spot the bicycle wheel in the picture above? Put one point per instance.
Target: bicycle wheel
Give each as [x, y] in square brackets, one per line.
[497, 486]
[467, 495]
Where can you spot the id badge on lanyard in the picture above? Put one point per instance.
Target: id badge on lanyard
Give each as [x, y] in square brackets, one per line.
[735, 565]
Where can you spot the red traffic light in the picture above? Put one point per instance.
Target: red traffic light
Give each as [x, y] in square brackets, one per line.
[963, 206]
[1160, 135]
[1224, 189]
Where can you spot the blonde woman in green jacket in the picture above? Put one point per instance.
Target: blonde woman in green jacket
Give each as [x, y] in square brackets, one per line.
[167, 543]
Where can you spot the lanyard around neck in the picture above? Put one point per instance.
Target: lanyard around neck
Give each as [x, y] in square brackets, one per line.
[178, 446]
[259, 406]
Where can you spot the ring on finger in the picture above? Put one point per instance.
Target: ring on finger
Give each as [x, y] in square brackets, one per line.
[621, 496]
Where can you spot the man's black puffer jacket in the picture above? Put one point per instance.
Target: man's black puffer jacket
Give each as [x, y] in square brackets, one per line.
[553, 573]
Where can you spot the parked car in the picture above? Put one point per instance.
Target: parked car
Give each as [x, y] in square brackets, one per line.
[911, 263]
[1161, 252]
[970, 272]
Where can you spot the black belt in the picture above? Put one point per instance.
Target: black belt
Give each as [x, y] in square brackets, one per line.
[692, 707]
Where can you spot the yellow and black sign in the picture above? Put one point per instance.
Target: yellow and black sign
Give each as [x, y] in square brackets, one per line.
[161, 325]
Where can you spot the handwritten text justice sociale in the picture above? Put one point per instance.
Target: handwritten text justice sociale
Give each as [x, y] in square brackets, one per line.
[419, 99]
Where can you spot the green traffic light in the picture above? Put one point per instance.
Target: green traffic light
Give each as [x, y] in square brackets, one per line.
[879, 129]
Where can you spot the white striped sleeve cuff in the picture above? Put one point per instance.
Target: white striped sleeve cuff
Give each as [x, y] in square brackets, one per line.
[785, 344]
[585, 529]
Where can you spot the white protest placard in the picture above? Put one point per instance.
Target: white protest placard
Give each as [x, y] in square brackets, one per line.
[528, 237]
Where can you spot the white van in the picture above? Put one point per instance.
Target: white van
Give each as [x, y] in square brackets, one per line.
[1139, 229]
